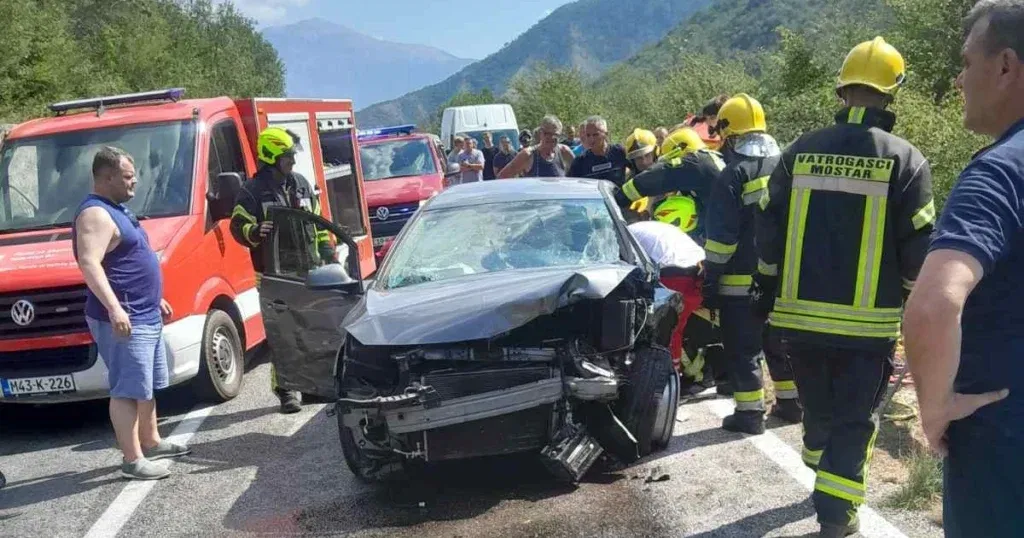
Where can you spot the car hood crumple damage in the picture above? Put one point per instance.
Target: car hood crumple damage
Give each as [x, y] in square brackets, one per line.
[478, 306]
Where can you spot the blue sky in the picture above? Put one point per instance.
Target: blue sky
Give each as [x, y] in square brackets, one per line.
[465, 29]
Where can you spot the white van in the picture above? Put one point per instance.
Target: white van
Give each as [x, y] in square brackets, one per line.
[498, 119]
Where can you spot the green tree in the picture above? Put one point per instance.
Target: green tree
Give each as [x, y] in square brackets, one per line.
[929, 34]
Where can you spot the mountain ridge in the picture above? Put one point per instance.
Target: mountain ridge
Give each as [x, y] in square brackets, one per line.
[326, 59]
[590, 35]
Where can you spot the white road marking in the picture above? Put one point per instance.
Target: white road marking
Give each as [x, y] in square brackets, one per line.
[872, 525]
[303, 418]
[131, 497]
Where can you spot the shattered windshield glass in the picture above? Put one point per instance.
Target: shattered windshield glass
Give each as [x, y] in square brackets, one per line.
[448, 243]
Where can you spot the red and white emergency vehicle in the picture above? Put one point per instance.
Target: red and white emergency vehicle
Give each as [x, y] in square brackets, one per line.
[402, 170]
[183, 149]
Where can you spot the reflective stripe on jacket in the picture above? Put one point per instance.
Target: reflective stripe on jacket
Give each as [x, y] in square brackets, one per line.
[737, 195]
[845, 231]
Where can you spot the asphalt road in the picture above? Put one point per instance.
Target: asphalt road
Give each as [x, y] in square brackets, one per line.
[256, 472]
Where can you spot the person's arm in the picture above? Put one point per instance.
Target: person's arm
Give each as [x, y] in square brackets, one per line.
[477, 162]
[915, 223]
[770, 225]
[95, 233]
[982, 217]
[244, 225]
[567, 156]
[517, 166]
[723, 222]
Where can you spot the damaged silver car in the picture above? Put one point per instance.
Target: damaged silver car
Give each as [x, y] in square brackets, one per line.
[509, 316]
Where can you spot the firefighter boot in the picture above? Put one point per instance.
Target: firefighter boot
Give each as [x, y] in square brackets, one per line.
[788, 409]
[751, 422]
[289, 401]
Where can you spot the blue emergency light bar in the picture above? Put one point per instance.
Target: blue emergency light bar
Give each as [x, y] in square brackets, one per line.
[385, 131]
[170, 94]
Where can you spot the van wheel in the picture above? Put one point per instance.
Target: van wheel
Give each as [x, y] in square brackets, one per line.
[222, 362]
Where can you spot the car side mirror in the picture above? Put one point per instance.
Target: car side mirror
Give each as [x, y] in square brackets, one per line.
[332, 277]
[222, 193]
[453, 170]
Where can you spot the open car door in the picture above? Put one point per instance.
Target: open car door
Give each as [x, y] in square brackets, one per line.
[306, 290]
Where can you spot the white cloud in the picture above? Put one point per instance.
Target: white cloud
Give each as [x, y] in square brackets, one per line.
[546, 13]
[267, 11]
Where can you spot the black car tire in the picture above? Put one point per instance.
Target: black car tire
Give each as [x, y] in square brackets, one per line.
[650, 383]
[3, 480]
[354, 458]
[369, 470]
[221, 360]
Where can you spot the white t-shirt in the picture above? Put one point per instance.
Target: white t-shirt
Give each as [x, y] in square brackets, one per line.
[667, 245]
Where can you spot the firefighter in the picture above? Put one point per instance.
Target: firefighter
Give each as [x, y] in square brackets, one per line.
[841, 239]
[641, 151]
[751, 156]
[276, 184]
[687, 168]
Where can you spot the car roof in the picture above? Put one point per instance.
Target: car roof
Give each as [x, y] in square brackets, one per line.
[519, 190]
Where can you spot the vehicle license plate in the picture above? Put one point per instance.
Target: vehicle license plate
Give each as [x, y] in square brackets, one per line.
[378, 241]
[51, 384]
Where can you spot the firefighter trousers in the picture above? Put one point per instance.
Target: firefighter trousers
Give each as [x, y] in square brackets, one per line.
[742, 333]
[840, 390]
[779, 365]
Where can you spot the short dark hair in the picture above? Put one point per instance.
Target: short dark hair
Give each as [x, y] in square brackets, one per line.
[109, 158]
[1005, 21]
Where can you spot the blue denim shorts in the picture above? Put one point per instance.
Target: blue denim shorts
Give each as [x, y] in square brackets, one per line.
[137, 366]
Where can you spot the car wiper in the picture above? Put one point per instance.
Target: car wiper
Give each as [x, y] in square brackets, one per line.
[36, 227]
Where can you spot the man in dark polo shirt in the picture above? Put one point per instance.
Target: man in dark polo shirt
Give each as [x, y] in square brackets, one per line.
[964, 326]
[602, 160]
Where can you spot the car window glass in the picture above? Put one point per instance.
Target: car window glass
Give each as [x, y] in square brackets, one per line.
[448, 243]
[229, 149]
[295, 246]
[397, 158]
[343, 191]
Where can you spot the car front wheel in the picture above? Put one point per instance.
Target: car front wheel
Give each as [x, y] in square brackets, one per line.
[650, 399]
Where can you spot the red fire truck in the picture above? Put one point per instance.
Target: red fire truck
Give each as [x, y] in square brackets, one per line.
[190, 157]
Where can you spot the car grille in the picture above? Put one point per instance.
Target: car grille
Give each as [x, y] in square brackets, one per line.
[397, 216]
[457, 384]
[505, 434]
[57, 311]
[38, 362]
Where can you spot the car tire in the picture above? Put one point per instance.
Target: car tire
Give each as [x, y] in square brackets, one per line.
[221, 360]
[650, 399]
[366, 470]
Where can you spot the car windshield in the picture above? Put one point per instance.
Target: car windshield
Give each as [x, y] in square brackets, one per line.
[382, 160]
[448, 243]
[44, 179]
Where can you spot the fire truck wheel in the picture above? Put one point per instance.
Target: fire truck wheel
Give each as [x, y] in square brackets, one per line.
[221, 363]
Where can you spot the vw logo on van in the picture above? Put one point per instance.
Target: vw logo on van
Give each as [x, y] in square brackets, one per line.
[23, 313]
[383, 212]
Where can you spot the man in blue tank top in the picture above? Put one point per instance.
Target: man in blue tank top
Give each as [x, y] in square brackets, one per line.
[125, 310]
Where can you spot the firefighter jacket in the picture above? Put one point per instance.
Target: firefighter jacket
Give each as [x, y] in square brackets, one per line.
[265, 191]
[688, 175]
[845, 231]
[735, 198]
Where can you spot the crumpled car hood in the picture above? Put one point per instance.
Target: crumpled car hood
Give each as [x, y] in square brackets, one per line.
[477, 306]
